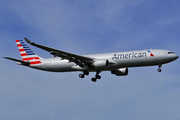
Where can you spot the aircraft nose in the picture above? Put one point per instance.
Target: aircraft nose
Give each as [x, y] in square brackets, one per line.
[176, 56]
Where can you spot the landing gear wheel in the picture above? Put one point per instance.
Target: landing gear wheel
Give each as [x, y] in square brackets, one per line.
[81, 75]
[94, 79]
[98, 76]
[86, 73]
[159, 70]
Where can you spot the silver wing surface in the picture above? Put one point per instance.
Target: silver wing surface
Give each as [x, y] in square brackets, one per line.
[82, 61]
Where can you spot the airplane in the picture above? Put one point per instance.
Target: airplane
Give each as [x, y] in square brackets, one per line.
[117, 62]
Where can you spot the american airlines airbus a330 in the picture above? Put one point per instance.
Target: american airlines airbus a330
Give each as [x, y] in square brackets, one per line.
[117, 63]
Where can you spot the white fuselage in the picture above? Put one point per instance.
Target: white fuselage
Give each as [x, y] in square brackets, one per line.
[116, 60]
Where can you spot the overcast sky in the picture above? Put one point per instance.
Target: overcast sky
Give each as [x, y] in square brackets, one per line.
[89, 27]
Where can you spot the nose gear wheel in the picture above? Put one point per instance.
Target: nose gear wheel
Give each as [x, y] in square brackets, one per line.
[159, 69]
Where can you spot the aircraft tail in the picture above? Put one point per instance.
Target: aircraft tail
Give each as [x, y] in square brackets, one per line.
[27, 54]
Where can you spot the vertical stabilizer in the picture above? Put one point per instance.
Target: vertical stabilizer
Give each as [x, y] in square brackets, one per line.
[27, 53]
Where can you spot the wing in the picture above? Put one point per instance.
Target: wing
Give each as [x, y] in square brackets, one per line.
[78, 59]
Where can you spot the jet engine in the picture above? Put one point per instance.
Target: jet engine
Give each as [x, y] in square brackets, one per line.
[101, 64]
[120, 72]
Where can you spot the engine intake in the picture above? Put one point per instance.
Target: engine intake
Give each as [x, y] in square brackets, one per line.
[101, 64]
[120, 72]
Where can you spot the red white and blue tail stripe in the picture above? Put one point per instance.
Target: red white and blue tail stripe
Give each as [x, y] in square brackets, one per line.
[27, 54]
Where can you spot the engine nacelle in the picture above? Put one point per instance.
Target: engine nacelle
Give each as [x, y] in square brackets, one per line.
[120, 72]
[101, 64]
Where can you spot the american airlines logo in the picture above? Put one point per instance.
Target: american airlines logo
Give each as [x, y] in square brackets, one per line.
[130, 55]
[151, 54]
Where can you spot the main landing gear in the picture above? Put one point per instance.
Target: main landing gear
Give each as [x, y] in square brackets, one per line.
[94, 79]
[97, 76]
[84, 73]
[159, 69]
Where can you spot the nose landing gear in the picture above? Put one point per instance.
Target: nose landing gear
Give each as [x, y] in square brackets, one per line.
[159, 69]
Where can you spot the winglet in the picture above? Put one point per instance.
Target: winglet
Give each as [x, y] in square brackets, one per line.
[28, 41]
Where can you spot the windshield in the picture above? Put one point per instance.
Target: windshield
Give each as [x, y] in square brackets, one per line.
[170, 52]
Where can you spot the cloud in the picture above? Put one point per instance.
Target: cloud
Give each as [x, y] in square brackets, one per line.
[85, 27]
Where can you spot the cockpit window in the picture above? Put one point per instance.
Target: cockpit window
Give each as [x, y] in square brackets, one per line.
[170, 52]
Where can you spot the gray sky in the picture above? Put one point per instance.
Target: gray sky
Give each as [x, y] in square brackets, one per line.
[88, 27]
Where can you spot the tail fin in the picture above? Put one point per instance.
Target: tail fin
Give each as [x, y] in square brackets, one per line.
[27, 54]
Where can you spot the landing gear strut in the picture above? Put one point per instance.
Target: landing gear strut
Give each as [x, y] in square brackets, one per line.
[97, 76]
[159, 69]
[84, 73]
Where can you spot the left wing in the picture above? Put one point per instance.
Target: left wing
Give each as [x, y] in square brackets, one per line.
[78, 59]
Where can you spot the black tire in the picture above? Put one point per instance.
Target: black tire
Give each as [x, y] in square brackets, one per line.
[94, 79]
[159, 70]
[86, 72]
[98, 76]
[81, 75]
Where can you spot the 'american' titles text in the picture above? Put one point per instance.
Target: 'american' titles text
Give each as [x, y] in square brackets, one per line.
[130, 55]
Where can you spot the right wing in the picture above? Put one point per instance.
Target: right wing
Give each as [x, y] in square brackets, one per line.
[78, 59]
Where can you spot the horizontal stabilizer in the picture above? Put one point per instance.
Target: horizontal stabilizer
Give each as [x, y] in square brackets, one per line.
[18, 61]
